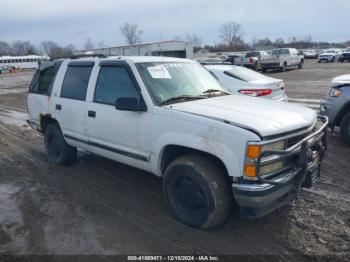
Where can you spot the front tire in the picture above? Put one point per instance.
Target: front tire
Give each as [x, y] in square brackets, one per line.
[57, 149]
[284, 68]
[300, 65]
[345, 128]
[196, 191]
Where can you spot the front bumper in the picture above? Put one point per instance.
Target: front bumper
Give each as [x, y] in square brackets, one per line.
[271, 65]
[259, 198]
[326, 59]
[331, 106]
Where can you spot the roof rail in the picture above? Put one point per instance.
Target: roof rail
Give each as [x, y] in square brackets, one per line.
[79, 56]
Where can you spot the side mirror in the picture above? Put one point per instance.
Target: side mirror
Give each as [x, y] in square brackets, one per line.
[130, 104]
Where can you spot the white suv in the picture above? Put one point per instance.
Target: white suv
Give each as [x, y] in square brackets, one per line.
[171, 117]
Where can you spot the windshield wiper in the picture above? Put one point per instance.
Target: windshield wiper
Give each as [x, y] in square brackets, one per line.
[215, 91]
[180, 99]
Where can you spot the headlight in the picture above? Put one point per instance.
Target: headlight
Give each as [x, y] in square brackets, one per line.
[270, 168]
[334, 92]
[279, 145]
[253, 152]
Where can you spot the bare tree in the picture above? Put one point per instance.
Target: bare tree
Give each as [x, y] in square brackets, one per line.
[308, 39]
[231, 34]
[131, 33]
[279, 42]
[194, 39]
[5, 49]
[293, 39]
[88, 44]
[23, 48]
[53, 50]
[101, 44]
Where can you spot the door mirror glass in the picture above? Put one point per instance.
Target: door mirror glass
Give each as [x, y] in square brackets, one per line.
[130, 104]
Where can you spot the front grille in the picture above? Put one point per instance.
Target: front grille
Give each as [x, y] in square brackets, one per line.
[291, 160]
[294, 140]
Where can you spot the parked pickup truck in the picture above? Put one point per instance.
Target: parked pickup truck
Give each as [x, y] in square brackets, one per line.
[172, 118]
[251, 60]
[282, 59]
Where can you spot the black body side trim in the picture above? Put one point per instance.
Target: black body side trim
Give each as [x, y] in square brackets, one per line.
[76, 139]
[111, 149]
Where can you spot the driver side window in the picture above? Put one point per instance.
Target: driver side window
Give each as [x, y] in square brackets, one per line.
[114, 82]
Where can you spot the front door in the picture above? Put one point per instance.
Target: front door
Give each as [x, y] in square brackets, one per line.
[120, 135]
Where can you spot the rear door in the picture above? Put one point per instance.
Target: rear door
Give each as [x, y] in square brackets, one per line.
[68, 103]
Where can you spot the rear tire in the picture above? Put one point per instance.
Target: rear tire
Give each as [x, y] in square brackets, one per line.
[345, 128]
[57, 149]
[196, 191]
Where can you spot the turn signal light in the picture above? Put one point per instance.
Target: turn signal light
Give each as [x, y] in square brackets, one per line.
[250, 170]
[253, 151]
[256, 92]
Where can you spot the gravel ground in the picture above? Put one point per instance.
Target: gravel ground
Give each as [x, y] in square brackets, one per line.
[102, 207]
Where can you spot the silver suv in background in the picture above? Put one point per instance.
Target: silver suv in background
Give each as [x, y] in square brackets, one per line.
[336, 106]
[252, 59]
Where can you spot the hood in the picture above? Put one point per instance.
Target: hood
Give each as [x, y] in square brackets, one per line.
[341, 80]
[264, 117]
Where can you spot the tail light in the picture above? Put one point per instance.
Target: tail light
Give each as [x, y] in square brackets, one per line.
[251, 60]
[256, 92]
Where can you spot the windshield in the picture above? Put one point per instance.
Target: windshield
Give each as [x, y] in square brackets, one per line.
[280, 52]
[170, 80]
[244, 74]
[252, 54]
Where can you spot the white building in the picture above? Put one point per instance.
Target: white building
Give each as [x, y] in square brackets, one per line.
[165, 48]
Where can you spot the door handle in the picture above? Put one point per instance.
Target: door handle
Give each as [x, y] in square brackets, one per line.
[58, 107]
[91, 114]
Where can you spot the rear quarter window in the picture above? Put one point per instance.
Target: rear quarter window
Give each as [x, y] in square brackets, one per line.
[43, 80]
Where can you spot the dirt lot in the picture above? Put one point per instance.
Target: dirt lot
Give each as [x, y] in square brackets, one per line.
[105, 208]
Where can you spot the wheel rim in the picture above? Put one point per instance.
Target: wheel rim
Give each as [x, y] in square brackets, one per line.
[190, 195]
[53, 147]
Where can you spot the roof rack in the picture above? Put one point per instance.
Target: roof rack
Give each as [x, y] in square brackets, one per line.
[79, 56]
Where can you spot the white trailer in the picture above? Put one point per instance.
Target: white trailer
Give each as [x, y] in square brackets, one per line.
[24, 62]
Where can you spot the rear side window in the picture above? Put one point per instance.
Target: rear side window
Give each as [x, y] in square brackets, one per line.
[244, 74]
[76, 82]
[43, 81]
[114, 82]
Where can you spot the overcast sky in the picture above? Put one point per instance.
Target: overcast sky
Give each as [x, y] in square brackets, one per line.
[73, 21]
